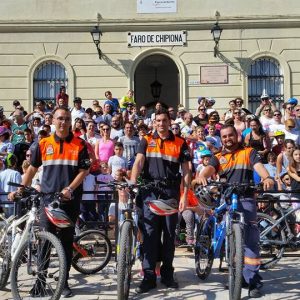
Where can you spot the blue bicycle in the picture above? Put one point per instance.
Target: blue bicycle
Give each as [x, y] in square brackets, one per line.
[220, 234]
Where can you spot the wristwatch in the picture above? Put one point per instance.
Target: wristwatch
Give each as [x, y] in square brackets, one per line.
[69, 189]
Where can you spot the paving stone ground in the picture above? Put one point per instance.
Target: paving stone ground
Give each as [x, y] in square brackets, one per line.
[282, 282]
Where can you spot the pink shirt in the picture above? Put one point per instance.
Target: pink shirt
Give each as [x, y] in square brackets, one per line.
[106, 150]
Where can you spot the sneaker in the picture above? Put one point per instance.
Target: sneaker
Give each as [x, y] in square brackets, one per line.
[67, 293]
[145, 287]
[254, 292]
[170, 283]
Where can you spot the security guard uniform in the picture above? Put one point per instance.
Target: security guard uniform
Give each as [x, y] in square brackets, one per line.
[162, 162]
[61, 160]
[236, 167]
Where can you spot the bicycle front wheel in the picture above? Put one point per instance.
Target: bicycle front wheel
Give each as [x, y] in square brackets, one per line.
[204, 256]
[272, 245]
[124, 260]
[235, 261]
[39, 268]
[5, 259]
[91, 252]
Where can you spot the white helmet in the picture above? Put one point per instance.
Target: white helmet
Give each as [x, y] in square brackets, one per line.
[162, 207]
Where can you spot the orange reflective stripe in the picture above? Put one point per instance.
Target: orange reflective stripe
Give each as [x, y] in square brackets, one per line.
[50, 150]
[252, 261]
[167, 149]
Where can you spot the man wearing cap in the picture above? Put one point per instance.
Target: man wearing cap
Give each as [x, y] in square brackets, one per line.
[180, 114]
[77, 111]
[265, 100]
[5, 145]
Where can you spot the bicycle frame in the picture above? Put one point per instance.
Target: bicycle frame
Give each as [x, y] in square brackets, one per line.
[284, 216]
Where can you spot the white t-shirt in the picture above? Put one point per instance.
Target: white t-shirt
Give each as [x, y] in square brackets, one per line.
[88, 184]
[116, 163]
[266, 123]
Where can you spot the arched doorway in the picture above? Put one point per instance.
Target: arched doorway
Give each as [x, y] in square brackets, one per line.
[158, 68]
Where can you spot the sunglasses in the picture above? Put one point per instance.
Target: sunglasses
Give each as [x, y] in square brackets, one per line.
[291, 127]
[277, 115]
[290, 108]
[175, 128]
[297, 109]
[105, 129]
[267, 109]
[202, 109]
[237, 112]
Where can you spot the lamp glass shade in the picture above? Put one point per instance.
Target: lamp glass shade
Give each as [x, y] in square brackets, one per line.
[96, 35]
[156, 89]
[216, 32]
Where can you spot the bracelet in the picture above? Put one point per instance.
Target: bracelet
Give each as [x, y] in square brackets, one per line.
[269, 177]
[69, 189]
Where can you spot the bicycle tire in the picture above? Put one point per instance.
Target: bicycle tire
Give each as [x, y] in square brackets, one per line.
[27, 258]
[5, 260]
[236, 261]
[92, 251]
[124, 261]
[270, 254]
[204, 256]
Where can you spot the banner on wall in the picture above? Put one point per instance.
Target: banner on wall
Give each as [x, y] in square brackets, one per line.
[156, 6]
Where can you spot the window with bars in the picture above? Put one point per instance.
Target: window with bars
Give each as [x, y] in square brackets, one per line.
[265, 76]
[48, 78]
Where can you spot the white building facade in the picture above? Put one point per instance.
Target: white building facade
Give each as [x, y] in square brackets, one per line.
[46, 44]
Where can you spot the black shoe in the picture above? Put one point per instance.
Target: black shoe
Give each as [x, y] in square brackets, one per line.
[67, 293]
[254, 292]
[38, 289]
[145, 287]
[170, 283]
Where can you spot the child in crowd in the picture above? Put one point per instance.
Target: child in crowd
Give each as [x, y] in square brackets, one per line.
[294, 172]
[10, 174]
[117, 161]
[105, 193]
[120, 175]
[88, 204]
[214, 139]
[271, 165]
[36, 127]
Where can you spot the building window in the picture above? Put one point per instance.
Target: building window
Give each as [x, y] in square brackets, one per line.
[265, 76]
[48, 78]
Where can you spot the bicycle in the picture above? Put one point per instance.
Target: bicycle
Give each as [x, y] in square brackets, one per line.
[33, 258]
[276, 234]
[92, 251]
[128, 243]
[221, 235]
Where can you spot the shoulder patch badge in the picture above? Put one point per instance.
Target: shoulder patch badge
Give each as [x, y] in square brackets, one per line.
[49, 150]
[223, 160]
[152, 143]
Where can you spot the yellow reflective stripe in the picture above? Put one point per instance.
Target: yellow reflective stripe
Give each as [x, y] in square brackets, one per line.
[252, 261]
[160, 155]
[56, 162]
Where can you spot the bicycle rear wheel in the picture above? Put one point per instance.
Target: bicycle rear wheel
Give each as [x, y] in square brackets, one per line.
[5, 260]
[124, 260]
[91, 252]
[272, 245]
[236, 261]
[204, 256]
[39, 268]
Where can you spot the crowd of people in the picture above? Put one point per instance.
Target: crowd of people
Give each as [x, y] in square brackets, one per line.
[122, 140]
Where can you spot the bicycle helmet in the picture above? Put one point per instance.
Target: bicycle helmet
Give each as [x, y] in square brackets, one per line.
[205, 153]
[162, 207]
[278, 133]
[58, 216]
[205, 196]
[292, 101]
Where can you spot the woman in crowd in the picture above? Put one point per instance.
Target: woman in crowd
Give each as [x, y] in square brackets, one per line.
[267, 118]
[284, 157]
[79, 127]
[258, 139]
[90, 136]
[104, 147]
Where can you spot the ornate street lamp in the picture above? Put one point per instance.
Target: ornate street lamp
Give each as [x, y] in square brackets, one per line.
[96, 35]
[155, 87]
[216, 32]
